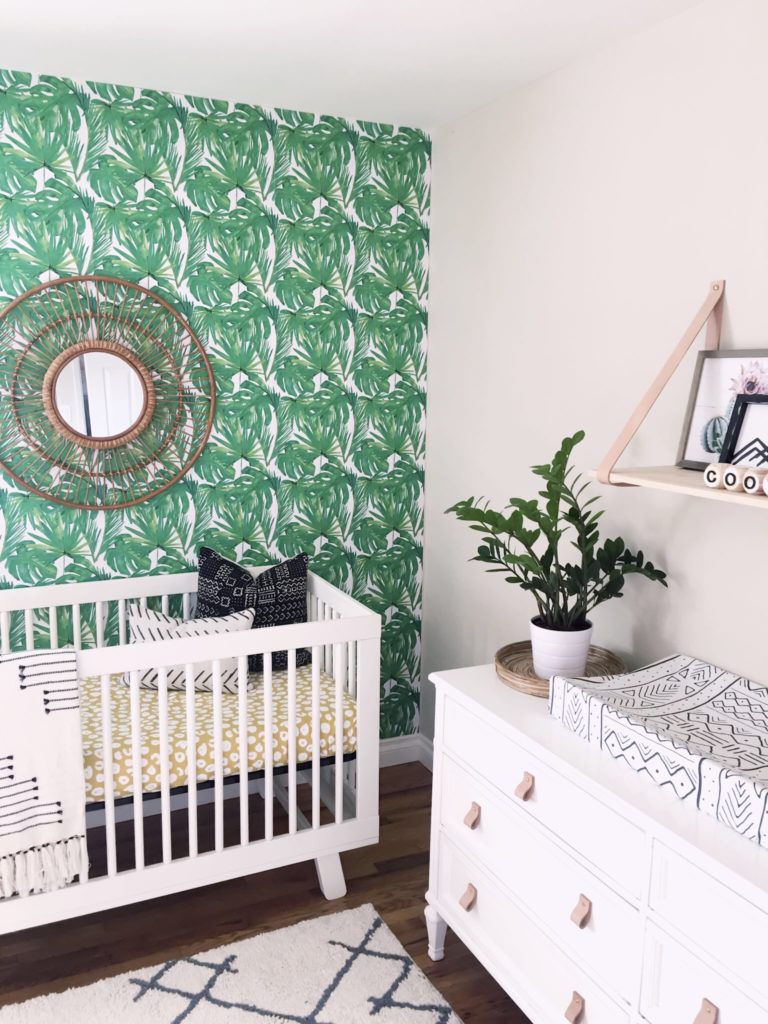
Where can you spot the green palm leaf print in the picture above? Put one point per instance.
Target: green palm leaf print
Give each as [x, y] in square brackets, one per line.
[297, 247]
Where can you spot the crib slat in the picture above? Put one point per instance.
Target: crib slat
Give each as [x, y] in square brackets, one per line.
[100, 623]
[242, 732]
[269, 792]
[328, 660]
[5, 631]
[29, 629]
[292, 741]
[352, 668]
[189, 687]
[339, 718]
[326, 611]
[138, 800]
[121, 624]
[321, 618]
[165, 782]
[77, 631]
[315, 737]
[218, 767]
[109, 786]
[53, 627]
[342, 648]
[185, 609]
[164, 604]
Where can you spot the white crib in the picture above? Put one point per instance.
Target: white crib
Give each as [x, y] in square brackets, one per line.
[339, 792]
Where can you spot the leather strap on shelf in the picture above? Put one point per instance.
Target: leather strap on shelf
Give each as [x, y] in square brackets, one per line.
[711, 313]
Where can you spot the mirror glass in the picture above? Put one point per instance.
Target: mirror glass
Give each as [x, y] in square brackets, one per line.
[99, 395]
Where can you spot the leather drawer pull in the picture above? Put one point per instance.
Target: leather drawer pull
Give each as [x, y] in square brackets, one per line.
[525, 788]
[708, 1014]
[472, 817]
[575, 1010]
[582, 912]
[469, 898]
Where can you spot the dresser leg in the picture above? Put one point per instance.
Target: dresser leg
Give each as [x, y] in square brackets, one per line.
[436, 929]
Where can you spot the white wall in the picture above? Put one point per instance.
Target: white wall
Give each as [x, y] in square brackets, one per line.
[576, 227]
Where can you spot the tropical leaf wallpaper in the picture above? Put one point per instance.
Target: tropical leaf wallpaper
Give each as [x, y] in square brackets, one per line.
[296, 245]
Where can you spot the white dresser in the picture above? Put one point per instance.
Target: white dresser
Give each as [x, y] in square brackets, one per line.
[591, 895]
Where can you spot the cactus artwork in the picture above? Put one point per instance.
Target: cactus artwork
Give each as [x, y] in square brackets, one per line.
[713, 434]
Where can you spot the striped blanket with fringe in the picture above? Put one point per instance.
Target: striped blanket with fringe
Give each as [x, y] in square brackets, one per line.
[42, 787]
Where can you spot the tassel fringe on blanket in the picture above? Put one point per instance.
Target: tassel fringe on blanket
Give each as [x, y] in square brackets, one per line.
[43, 868]
[42, 783]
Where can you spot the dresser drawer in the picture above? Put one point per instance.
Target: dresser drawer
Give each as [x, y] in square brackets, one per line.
[550, 883]
[612, 843]
[675, 984]
[729, 927]
[495, 924]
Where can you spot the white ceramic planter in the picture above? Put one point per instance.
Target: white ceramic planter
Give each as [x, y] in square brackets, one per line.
[559, 652]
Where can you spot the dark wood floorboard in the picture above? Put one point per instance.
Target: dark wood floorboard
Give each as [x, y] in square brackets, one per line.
[391, 875]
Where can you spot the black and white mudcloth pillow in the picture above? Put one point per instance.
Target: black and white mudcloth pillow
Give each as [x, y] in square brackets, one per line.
[277, 595]
[146, 625]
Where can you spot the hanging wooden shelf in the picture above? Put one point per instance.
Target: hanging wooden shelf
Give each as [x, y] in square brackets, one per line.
[681, 481]
[674, 478]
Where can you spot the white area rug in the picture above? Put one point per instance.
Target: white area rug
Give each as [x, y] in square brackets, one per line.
[346, 968]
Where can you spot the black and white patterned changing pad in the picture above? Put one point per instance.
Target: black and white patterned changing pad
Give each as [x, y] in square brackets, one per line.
[685, 724]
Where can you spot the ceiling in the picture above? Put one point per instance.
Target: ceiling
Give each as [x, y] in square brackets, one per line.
[412, 62]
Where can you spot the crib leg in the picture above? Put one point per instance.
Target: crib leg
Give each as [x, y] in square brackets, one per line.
[330, 875]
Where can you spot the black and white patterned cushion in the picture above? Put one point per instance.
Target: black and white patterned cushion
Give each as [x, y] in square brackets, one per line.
[278, 595]
[146, 625]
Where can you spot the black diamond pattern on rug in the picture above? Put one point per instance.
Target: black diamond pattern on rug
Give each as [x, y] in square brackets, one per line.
[212, 971]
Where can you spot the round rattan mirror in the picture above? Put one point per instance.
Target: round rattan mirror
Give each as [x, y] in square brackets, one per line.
[106, 394]
[98, 394]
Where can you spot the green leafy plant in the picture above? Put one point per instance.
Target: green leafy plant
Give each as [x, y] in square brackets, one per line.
[525, 540]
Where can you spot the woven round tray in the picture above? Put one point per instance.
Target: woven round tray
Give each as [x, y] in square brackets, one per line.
[514, 667]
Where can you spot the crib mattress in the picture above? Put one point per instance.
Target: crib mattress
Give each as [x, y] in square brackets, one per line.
[686, 725]
[122, 755]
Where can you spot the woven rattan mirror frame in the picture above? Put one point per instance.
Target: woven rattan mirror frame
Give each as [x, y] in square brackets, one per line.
[41, 331]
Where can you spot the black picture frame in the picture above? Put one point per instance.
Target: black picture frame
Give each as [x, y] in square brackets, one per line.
[745, 451]
[723, 365]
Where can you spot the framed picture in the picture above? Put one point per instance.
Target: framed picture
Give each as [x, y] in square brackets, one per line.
[746, 439]
[718, 380]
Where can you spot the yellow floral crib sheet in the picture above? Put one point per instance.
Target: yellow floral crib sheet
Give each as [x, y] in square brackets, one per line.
[122, 752]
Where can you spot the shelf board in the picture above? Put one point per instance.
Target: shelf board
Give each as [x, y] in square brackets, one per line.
[683, 481]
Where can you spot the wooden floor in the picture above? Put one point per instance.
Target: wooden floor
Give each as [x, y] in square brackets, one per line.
[392, 876]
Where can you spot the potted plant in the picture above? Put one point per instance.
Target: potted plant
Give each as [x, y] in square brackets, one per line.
[526, 542]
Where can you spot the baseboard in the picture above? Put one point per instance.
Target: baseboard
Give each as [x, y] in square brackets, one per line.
[406, 750]
[426, 751]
